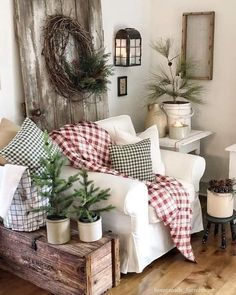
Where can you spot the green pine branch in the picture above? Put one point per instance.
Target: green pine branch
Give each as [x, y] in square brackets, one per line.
[49, 183]
[174, 81]
[87, 196]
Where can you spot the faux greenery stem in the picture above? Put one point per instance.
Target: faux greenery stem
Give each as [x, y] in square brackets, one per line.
[176, 82]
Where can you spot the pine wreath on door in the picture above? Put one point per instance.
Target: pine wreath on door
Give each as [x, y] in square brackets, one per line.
[43, 105]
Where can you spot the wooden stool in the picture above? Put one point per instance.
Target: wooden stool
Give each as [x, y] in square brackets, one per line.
[222, 222]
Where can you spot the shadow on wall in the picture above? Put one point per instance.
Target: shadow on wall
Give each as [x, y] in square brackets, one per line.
[216, 166]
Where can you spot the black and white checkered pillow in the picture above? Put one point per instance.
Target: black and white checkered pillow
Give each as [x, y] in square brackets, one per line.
[19, 216]
[134, 160]
[27, 147]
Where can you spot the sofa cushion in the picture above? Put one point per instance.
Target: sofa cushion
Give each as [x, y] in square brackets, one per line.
[133, 160]
[152, 216]
[8, 131]
[27, 147]
[123, 122]
[122, 138]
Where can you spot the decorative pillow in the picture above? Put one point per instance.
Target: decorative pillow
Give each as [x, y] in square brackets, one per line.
[8, 131]
[133, 160]
[27, 147]
[123, 137]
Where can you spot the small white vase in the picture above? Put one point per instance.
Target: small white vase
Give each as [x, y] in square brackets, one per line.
[220, 205]
[58, 231]
[156, 116]
[90, 231]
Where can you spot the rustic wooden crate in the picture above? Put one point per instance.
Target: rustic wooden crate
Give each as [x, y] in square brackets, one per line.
[75, 268]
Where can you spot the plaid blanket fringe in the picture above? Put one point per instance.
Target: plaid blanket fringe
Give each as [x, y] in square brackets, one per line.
[87, 145]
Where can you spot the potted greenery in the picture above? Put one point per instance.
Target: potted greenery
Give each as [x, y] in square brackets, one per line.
[87, 216]
[220, 198]
[54, 188]
[174, 82]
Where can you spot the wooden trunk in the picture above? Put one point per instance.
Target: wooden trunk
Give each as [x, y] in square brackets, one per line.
[75, 268]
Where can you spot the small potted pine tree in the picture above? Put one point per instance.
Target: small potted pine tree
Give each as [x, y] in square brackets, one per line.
[55, 189]
[84, 211]
[220, 198]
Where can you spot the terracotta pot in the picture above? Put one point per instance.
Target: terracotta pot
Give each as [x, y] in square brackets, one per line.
[58, 231]
[156, 116]
[220, 205]
[90, 231]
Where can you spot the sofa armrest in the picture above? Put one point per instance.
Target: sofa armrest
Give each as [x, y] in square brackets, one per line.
[129, 196]
[184, 166]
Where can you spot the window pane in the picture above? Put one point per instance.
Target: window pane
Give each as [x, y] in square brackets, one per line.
[132, 52]
[138, 51]
[117, 51]
[138, 42]
[123, 42]
[118, 42]
[132, 43]
[132, 60]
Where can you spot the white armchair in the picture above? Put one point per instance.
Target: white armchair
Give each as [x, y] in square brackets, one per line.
[143, 237]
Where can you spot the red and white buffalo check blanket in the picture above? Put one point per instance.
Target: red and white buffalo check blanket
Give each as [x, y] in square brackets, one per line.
[87, 145]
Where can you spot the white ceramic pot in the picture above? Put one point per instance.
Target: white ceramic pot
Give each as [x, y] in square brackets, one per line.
[220, 205]
[90, 231]
[181, 112]
[58, 231]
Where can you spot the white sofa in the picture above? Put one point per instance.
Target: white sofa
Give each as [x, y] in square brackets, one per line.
[143, 237]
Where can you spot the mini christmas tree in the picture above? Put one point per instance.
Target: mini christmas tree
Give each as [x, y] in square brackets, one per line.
[51, 185]
[87, 196]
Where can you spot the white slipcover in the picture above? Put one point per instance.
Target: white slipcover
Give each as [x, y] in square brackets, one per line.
[143, 237]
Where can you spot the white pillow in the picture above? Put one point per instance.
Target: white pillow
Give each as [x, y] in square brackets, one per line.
[122, 138]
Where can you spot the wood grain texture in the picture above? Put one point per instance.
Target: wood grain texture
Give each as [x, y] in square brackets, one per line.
[43, 105]
[214, 274]
[70, 269]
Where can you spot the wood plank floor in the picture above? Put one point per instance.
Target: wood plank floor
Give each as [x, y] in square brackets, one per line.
[215, 273]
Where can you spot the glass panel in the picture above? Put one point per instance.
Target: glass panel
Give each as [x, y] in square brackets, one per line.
[123, 42]
[118, 42]
[123, 61]
[132, 43]
[138, 61]
[138, 51]
[117, 51]
[123, 52]
[138, 42]
[132, 52]
[132, 60]
[117, 61]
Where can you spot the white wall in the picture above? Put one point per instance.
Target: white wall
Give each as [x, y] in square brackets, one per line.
[132, 14]
[153, 18]
[219, 112]
[11, 93]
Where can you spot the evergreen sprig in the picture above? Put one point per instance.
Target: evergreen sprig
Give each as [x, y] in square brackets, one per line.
[88, 195]
[90, 72]
[176, 81]
[50, 185]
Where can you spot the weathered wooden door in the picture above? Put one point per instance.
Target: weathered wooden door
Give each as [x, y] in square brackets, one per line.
[43, 104]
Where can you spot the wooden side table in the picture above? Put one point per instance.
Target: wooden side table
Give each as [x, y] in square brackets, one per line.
[221, 222]
[186, 145]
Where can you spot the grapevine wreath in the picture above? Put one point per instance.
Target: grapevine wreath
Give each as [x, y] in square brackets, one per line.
[78, 77]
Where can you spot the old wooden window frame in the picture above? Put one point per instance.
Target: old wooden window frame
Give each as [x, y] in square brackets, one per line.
[207, 42]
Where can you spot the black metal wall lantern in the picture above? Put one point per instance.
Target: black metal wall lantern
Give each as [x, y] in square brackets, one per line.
[128, 49]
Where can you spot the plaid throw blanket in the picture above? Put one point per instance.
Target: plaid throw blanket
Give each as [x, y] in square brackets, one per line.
[87, 145]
